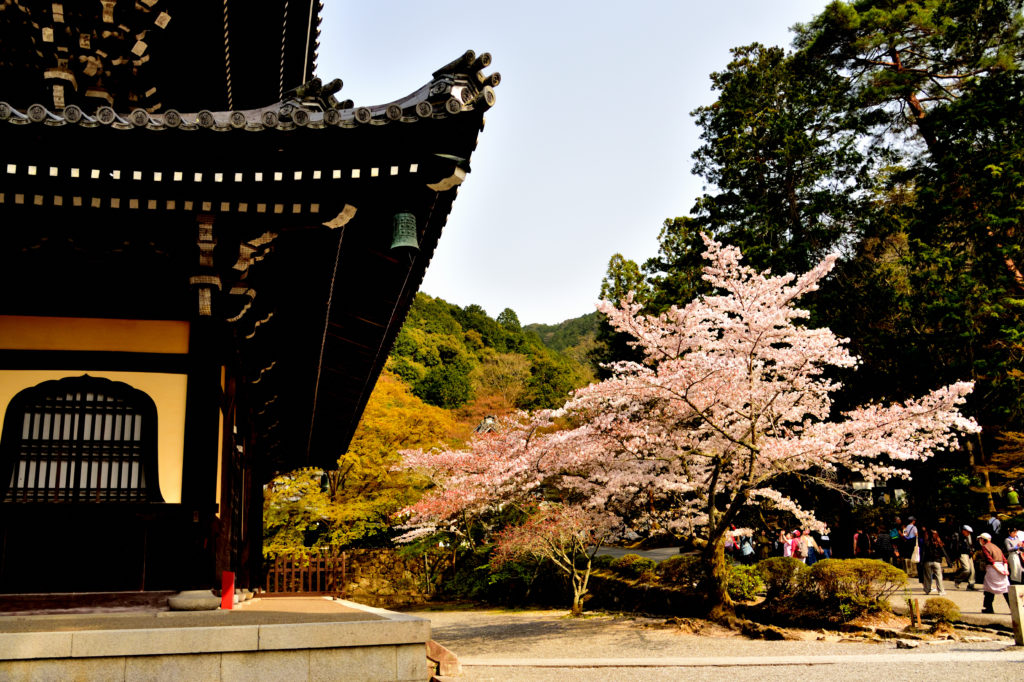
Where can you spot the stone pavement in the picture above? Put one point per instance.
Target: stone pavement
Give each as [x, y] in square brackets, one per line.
[274, 611]
[969, 602]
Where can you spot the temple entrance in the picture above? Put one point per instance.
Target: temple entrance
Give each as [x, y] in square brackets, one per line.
[80, 507]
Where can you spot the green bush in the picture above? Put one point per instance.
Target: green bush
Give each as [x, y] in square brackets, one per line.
[680, 570]
[744, 582]
[782, 576]
[602, 561]
[854, 586]
[941, 609]
[632, 565]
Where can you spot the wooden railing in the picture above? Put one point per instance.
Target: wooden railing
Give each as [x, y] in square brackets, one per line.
[307, 575]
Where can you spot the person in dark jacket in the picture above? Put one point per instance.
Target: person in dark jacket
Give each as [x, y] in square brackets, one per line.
[825, 545]
[861, 545]
[932, 554]
[965, 553]
[884, 548]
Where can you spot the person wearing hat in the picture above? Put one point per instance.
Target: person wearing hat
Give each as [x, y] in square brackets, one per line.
[965, 548]
[997, 574]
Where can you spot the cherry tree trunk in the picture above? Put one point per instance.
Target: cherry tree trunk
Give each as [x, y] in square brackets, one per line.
[579, 590]
[577, 603]
[715, 582]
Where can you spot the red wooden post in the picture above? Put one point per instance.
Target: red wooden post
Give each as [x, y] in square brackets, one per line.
[227, 590]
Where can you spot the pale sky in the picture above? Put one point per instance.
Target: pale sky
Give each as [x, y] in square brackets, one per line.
[587, 149]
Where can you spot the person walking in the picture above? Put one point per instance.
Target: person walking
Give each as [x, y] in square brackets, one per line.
[965, 551]
[861, 545]
[912, 550]
[997, 575]
[747, 552]
[994, 524]
[932, 554]
[1013, 547]
[884, 547]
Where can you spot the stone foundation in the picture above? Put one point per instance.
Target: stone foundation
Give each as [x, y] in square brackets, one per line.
[386, 646]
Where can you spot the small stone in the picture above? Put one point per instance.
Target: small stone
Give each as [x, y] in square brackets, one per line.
[904, 644]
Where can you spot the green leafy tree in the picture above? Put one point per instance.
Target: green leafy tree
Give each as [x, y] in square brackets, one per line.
[503, 374]
[447, 385]
[905, 58]
[510, 321]
[938, 83]
[781, 159]
[549, 384]
[623, 277]
[675, 273]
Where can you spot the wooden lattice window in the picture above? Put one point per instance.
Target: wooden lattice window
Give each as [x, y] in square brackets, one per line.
[80, 439]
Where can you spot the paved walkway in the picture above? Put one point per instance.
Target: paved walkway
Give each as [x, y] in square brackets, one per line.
[548, 646]
[969, 602]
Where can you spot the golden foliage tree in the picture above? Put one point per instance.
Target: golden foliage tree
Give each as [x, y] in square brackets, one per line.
[313, 508]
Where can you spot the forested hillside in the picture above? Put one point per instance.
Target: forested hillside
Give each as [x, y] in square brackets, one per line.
[577, 332]
[460, 358]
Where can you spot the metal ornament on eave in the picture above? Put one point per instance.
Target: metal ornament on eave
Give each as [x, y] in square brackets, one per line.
[403, 234]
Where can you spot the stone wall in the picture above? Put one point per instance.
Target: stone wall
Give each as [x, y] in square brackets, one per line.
[380, 577]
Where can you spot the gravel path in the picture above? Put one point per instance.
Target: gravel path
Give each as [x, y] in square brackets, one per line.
[534, 645]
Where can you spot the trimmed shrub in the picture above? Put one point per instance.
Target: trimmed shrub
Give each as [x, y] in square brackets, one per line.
[782, 576]
[681, 570]
[941, 609]
[632, 565]
[602, 561]
[744, 582]
[854, 586]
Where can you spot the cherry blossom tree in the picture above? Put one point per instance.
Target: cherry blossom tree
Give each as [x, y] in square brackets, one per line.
[735, 393]
[733, 397]
[569, 536]
[574, 496]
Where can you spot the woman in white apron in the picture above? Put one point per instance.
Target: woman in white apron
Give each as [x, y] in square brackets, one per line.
[997, 574]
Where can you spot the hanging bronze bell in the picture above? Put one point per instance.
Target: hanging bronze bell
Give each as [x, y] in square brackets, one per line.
[403, 233]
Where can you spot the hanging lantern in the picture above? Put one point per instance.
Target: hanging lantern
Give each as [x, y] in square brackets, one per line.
[404, 232]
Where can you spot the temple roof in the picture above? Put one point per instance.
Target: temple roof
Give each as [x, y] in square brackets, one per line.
[280, 243]
[155, 54]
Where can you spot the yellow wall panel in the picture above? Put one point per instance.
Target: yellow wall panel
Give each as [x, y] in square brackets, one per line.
[23, 332]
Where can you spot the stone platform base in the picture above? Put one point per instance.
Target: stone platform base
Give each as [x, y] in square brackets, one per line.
[383, 646]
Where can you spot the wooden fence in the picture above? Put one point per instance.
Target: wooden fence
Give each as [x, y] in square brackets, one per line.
[307, 575]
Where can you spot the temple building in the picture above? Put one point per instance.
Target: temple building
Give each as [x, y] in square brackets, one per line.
[206, 257]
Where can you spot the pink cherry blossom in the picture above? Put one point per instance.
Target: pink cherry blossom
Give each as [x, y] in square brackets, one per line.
[734, 394]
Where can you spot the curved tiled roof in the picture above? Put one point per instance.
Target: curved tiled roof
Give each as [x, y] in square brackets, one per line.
[459, 86]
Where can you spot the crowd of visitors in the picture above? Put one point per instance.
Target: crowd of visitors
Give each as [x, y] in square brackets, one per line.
[992, 559]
